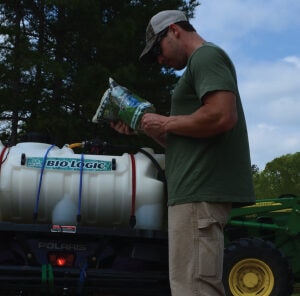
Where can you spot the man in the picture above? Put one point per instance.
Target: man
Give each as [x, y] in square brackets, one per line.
[207, 152]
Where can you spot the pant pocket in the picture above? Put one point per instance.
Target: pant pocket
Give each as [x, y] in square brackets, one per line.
[210, 248]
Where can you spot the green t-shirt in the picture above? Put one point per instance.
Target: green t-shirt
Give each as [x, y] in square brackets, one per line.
[214, 169]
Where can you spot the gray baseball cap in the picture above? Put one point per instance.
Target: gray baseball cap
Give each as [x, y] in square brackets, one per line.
[157, 24]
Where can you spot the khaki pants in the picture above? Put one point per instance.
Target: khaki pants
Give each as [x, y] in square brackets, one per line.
[196, 247]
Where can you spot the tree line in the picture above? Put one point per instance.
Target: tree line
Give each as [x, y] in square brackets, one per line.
[281, 176]
[56, 57]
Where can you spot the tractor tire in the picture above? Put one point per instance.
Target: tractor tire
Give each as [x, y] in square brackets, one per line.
[256, 267]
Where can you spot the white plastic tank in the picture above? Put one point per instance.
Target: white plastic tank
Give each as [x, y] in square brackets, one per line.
[55, 185]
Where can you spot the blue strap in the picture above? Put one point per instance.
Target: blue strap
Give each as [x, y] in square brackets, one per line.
[80, 189]
[82, 279]
[35, 213]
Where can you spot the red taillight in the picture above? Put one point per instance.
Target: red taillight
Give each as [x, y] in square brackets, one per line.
[61, 259]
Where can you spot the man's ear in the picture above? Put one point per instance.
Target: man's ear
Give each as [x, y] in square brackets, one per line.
[175, 29]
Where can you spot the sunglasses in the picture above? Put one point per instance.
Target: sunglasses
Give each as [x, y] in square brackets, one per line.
[156, 49]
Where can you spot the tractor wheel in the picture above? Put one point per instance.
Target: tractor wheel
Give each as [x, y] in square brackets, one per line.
[254, 267]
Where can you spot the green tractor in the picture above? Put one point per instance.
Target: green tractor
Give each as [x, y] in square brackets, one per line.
[262, 254]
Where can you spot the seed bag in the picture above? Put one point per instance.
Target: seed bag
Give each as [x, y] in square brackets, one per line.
[119, 103]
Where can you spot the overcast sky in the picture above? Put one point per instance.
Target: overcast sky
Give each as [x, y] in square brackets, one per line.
[262, 38]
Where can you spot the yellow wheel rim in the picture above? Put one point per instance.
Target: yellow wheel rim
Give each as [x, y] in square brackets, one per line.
[251, 277]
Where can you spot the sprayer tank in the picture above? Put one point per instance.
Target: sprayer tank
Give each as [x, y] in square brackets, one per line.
[48, 184]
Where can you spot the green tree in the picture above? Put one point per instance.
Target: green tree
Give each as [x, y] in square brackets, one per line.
[280, 176]
[58, 55]
[14, 71]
